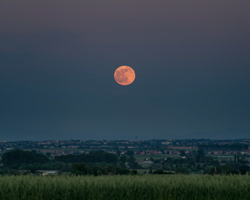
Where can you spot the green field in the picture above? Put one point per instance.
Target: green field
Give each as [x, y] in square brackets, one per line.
[181, 187]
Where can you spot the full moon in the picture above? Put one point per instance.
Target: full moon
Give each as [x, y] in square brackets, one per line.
[124, 75]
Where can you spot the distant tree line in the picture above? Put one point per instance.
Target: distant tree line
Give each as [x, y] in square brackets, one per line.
[19, 157]
[92, 157]
[83, 169]
[103, 163]
[94, 163]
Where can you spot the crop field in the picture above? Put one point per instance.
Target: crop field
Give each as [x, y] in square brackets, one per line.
[181, 187]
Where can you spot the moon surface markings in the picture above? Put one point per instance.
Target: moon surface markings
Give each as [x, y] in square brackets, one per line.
[124, 75]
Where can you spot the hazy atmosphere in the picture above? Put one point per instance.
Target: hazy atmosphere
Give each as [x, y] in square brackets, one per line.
[58, 58]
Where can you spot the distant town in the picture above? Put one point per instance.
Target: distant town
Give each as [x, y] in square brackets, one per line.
[103, 157]
[53, 148]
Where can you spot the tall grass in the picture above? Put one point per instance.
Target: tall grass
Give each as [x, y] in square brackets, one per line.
[153, 187]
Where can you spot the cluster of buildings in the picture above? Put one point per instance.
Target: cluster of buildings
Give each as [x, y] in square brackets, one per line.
[140, 147]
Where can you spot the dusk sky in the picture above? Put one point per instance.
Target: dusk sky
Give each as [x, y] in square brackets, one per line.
[58, 58]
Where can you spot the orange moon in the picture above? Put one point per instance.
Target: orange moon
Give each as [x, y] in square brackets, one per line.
[124, 75]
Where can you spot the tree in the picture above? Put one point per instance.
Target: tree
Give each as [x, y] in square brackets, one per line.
[182, 170]
[118, 153]
[200, 156]
[130, 153]
[121, 171]
[131, 159]
[159, 171]
[182, 153]
[134, 172]
[81, 169]
[92, 157]
[237, 158]
[132, 164]
[84, 169]
[123, 159]
[99, 171]
[201, 153]
[157, 161]
[48, 154]
[227, 169]
[244, 169]
[19, 157]
[110, 169]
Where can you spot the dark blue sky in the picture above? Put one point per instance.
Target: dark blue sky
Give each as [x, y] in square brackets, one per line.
[57, 60]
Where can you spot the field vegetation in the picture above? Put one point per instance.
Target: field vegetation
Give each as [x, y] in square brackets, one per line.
[176, 187]
[103, 175]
